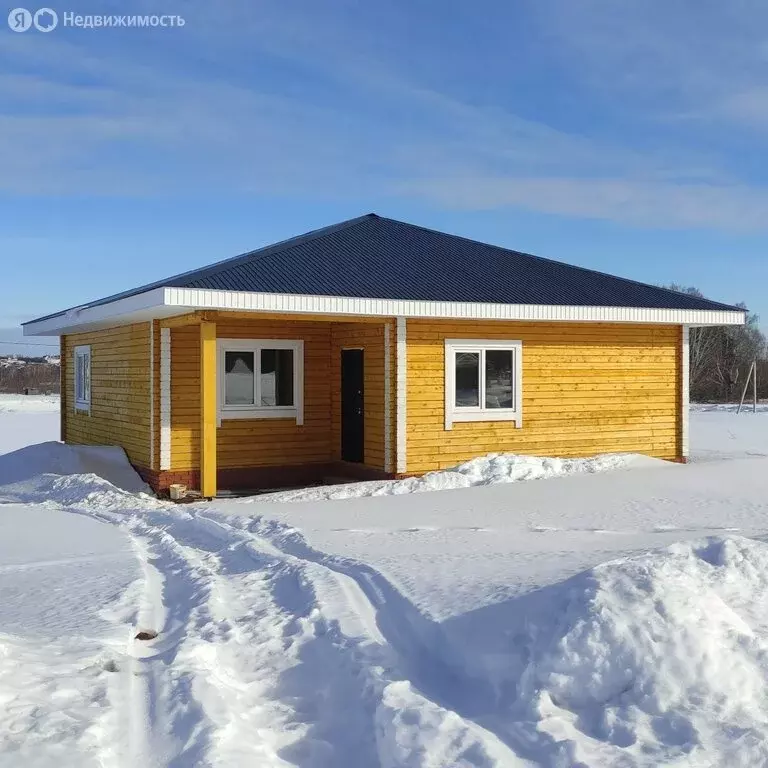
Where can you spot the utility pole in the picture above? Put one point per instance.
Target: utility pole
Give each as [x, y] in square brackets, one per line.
[751, 376]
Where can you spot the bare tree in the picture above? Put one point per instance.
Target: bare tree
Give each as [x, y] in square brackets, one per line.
[721, 357]
[29, 374]
[702, 351]
[736, 348]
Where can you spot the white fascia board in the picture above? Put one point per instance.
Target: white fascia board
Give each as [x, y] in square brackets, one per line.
[199, 299]
[150, 305]
[166, 302]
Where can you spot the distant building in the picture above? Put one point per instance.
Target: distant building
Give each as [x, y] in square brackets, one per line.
[11, 361]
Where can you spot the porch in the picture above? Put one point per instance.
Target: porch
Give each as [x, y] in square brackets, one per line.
[249, 401]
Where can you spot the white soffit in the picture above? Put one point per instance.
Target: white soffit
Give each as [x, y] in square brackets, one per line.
[166, 302]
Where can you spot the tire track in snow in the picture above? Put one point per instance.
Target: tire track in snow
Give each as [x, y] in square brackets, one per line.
[418, 642]
[167, 726]
[395, 645]
[270, 677]
[298, 671]
[273, 654]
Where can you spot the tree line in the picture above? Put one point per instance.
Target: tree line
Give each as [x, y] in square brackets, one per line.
[722, 356]
[41, 376]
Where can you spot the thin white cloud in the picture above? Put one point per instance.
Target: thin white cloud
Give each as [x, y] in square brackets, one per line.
[701, 60]
[641, 203]
[748, 107]
[141, 128]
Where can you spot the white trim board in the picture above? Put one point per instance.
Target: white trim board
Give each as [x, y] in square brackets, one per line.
[152, 395]
[387, 399]
[336, 305]
[166, 302]
[401, 378]
[685, 375]
[165, 398]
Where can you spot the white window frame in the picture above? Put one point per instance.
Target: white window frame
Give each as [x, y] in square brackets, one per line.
[256, 411]
[82, 404]
[455, 413]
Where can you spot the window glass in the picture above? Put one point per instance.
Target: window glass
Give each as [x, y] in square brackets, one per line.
[498, 378]
[276, 377]
[467, 379]
[238, 378]
[79, 391]
[83, 375]
[87, 377]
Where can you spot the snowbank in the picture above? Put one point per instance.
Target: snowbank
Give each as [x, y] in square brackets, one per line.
[68, 474]
[492, 469]
[652, 658]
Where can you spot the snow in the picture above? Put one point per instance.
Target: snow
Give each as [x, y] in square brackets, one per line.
[65, 612]
[655, 660]
[449, 550]
[27, 419]
[91, 563]
[717, 433]
[611, 615]
[67, 588]
[492, 469]
[66, 474]
[29, 404]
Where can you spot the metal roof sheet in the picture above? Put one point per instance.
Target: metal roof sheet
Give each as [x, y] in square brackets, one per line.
[376, 257]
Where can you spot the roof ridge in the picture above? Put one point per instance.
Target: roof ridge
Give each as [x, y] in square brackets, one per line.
[554, 261]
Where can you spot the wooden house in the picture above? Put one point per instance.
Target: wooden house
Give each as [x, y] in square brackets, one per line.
[375, 349]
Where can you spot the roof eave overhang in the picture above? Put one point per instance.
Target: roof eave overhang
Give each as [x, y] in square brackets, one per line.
[160, 303]
[141, 307]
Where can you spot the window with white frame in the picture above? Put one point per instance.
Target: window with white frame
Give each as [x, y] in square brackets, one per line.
[483, 381]
[83, 378]
[261, 379]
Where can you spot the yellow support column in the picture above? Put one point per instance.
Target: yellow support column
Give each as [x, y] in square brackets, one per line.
[208, 415]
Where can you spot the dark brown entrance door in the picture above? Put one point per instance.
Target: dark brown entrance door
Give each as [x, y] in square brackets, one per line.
[352, 424]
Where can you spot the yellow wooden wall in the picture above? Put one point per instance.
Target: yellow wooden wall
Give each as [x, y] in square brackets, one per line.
[369, 336]
[253, 442]
[587, 389]
[120, 391]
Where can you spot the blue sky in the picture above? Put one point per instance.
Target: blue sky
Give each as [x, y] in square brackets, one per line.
[626, 137]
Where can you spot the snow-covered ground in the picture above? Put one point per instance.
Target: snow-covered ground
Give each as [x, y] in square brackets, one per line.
[26, 420]
[29, 404]
[717, 433]
[612, 614]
